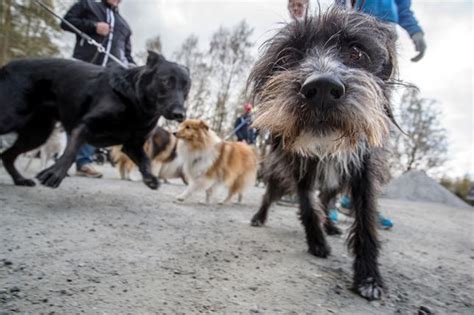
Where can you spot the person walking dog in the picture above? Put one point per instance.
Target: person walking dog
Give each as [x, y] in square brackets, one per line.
[103, 23]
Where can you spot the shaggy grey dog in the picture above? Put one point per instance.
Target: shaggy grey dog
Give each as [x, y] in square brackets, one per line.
[322, 89]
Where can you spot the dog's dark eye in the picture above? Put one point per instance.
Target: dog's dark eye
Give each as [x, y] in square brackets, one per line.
[356, 55]
[187, 127]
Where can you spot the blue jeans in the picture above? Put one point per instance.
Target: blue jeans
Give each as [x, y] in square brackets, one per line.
[84, 156]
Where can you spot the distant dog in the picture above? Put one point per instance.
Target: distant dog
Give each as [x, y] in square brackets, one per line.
[160, 148]
[52, 149]
[322, 89]
[210, 162]
[96, 105]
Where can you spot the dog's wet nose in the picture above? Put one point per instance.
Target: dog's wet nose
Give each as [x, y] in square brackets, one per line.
[323, 89]
[178, 115]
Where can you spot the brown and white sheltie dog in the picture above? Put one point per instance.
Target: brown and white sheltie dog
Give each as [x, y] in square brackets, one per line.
[210, 162]
[161, 148]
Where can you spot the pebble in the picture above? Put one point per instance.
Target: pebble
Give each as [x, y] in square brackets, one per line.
[7, 262]
[14, 289]
[423, 310]
[254, 309]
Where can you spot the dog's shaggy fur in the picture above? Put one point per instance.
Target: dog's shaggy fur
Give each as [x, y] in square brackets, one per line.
[211, 162]
[96, 105]
[161, 149]
[322, 88]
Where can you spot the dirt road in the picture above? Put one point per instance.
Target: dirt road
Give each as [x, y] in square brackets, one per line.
[114, 247]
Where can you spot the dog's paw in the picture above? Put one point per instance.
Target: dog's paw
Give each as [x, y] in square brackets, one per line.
[320, 250]
[50, 178]
[256, 221]
[370, 288]
[331, 229]
[180, 198]
[25, 182]
[151, 182]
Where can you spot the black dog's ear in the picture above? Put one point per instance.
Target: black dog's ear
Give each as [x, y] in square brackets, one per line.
[121, 82]
[154, 58]
[186, 69]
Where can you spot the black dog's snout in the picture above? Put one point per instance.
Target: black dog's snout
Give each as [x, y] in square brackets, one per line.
[323, 89]
[178, 115]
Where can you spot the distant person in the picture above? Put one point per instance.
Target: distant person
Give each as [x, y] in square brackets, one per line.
[393, 11]
[297, 8]
[101, 21]
[243, 131]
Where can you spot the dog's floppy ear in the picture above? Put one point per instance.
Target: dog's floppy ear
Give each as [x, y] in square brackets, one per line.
[121, 82]
[154, 58]
[204, 125]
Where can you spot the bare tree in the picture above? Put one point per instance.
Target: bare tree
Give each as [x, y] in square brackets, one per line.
[26, 30]
[231, 59]
[194, 59]
[425, 146]
[152, 44]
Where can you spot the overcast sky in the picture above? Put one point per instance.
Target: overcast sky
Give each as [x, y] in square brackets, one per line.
[445, 74]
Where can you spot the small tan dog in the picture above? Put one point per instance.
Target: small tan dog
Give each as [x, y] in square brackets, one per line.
[161, 148]
[210, 162]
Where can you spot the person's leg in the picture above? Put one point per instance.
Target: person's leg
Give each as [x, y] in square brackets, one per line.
[84, 162]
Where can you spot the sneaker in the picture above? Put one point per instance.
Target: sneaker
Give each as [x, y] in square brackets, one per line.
[88, 171]
[346, 202]
[333, 215]
[385, 223]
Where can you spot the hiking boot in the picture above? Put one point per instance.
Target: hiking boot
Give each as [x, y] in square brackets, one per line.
[88, 171]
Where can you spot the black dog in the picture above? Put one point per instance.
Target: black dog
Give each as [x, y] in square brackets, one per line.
[100, 106]
[323, 88]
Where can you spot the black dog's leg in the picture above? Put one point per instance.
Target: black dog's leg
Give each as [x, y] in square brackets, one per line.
[363, 235]
[54, 175]
[138, 155]
[317, 244]
[328, 201]
[32, 135]
[272, 194]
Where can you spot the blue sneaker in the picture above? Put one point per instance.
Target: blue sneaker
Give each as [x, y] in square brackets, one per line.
[346, 202]
[333, 215]
[385, 223]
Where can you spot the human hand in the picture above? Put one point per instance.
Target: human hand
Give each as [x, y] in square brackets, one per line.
[102, 28]
[420, 45]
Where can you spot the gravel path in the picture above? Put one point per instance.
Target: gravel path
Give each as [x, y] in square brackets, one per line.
[115, 247]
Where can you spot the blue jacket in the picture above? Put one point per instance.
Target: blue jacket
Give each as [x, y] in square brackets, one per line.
[396, 11]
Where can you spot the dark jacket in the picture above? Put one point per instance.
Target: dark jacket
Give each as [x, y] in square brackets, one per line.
[243, 130]
[84, 15]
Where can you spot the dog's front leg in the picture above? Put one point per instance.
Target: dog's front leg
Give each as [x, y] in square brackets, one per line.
[201, 183]
[317, 244]
[54, 175]
[138, 155]
[363, 239]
